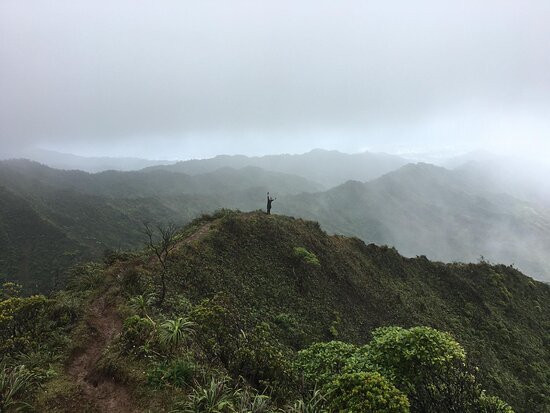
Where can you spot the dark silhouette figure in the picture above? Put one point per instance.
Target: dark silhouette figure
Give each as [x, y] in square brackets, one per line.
[269, 201]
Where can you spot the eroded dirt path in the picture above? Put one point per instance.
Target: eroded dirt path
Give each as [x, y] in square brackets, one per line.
[104, 393]
[99, 390]
[198, 234]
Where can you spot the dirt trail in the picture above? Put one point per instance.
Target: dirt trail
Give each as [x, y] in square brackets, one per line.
[198, 233]
[103, 392]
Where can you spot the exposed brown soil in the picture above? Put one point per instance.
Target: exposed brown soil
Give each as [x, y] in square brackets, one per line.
[98, 389]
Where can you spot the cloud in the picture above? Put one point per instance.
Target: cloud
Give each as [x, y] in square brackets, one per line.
[274, 76]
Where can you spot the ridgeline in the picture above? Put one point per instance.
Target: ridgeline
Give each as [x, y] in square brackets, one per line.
[248, 291]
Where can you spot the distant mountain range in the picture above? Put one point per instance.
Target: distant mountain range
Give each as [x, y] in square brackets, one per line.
[449, 215]
[328, 168]
[69, 161]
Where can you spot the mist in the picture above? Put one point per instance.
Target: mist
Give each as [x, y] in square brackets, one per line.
[181, 80]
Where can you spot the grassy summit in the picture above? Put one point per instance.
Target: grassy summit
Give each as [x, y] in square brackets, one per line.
[246, 292]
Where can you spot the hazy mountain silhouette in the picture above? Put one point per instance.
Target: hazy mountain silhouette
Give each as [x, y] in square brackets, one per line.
[426, 210]
[328, 168]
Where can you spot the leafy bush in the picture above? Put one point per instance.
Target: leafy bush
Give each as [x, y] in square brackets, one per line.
[261, 359]
[302, 255]
[429, 366]
[20, 322]
[86, 276]
[365, 393]
[319, 363]
[131, 280]
[492, 404]
[139, 335]
[9, 290]
[401, 354]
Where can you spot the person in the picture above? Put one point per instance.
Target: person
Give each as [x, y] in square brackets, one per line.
[269, 201]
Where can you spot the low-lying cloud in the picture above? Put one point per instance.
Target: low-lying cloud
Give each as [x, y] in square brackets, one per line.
[177, 79]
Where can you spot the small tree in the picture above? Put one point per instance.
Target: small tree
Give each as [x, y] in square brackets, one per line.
[162, 249]
[321, 362]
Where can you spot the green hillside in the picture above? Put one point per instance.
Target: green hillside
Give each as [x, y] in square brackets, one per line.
[33, 251]
[105, 211]
[419, 209]
[426, 210]
[31, 177]
[252, 290]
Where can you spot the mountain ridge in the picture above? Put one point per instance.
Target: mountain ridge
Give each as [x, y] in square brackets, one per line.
[254, 305]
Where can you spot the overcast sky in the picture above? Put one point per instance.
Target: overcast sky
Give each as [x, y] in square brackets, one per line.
[180, 79]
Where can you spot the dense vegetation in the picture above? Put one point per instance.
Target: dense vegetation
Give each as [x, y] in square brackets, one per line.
[420, 209]
[268, 313]
[74, 215]
[426, 210]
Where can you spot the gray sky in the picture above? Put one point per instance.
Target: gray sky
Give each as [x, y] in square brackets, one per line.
[180, 79]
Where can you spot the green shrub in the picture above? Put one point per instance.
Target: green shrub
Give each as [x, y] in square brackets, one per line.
[492, 404]
[214, 397]
[173, 333]
[304, 256]
[179, 373]
[250, 401]
[365, 393]
[86, 276]
[429, 366]
[9, 290]
[142, 304]
[401, 354]
[261, 359]
[139, 335]
[22, 321]
[319, 363]
[15, 382]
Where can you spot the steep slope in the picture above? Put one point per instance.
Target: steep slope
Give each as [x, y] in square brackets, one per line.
[97, 212]
[328, 168]
[254, 304]
[33, 251]
[426, 210]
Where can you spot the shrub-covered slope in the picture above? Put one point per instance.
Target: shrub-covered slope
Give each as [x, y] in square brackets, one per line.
[247, 291]
[31, 245]
[95, 212]
[426, 210]
[500, 316]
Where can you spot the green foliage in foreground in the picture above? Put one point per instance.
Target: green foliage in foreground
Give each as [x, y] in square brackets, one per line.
[246, 328]
[365, 393]
[14, 383]
[427, 366]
